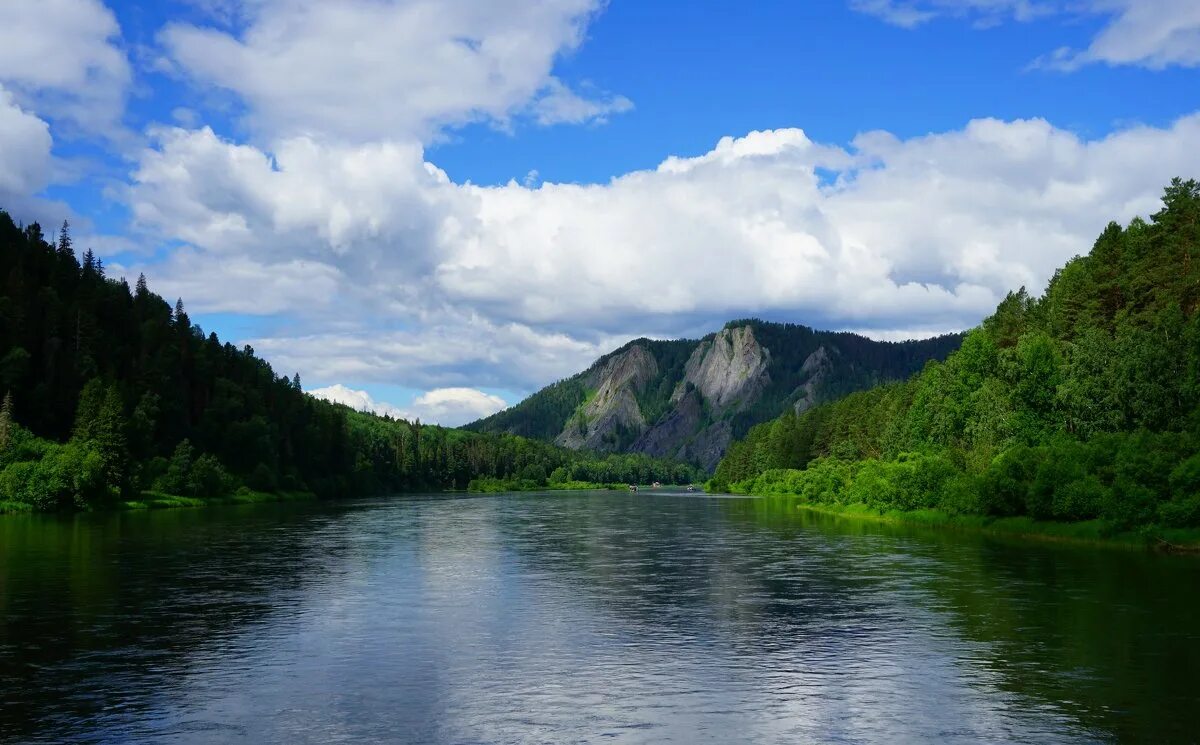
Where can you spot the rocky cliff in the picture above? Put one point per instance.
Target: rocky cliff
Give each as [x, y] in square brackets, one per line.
[689, 399]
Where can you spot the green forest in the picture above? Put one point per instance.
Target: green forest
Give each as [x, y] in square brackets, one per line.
[1080, 405]
[112, 396]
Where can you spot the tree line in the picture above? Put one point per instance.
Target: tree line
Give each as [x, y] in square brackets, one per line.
[110, 392]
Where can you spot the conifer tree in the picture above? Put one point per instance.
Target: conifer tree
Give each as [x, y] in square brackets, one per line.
[65, 246]
[6, 422]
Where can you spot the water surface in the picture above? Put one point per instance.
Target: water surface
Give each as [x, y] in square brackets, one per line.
[581, 617]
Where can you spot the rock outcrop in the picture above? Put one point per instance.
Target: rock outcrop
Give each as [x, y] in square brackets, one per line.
[815, 372]
[723, 375]
[612, 417]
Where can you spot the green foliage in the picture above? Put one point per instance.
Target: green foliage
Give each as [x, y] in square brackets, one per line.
[146, 402]
[1080, 405]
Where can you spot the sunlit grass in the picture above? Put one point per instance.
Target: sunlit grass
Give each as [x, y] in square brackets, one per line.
[1088, 531]
[152, 500]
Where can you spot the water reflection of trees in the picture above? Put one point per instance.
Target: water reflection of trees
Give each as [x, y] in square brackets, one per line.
[1105, 635]
[132, 599]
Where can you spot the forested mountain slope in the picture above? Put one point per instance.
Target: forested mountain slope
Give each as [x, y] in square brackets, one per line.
[1078, 405]
[108, 391]
[689, 399]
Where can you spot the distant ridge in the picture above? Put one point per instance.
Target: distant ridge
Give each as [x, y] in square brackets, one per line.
[688, 398]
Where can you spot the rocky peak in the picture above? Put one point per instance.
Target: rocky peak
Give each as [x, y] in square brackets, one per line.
[613, 410]
[730, 370]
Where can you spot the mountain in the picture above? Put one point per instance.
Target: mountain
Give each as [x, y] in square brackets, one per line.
[1082, 405]
[688, 399]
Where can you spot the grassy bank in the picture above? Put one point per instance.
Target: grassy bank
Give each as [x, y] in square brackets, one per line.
[496, 486]
[1095, 532]
[151, 500]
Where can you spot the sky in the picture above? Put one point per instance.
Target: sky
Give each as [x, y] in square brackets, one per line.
[434, 208]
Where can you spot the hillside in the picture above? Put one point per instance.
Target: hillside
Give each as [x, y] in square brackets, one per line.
[109, 393]
[1081, 405]
[688, 399]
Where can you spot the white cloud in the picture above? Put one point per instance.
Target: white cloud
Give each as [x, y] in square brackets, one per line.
[357, 400]
[455, 406]
[896, 235]
[449, 407]
[25, 143]
[558, 104]
[1149, 33]
[62, 58]
[913, 13]
[361, 70]
[444, 349]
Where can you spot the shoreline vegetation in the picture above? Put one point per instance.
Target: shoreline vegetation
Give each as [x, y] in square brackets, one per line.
[1099, 533]
[1073, 414]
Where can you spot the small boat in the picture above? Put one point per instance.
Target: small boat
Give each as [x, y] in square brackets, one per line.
[633, 487]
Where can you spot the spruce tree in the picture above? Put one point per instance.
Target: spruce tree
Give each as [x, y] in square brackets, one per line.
[6, 422]
[65, 246]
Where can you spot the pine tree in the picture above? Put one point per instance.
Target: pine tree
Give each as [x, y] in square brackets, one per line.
[296, 382]
[6, 422]
[141, 291]
[100, 424]
[65, 246]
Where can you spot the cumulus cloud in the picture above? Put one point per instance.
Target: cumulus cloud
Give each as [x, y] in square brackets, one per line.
[455, 406]
[62, 57]
[25, 144]
[448, 349]
[1149, 33]
[357, 400]
[363, 70]
[449, 407]
[895, 235]
[375, 206]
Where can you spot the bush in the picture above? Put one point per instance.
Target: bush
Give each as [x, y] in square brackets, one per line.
[262, 478]
[66, 476]
[1181, 512]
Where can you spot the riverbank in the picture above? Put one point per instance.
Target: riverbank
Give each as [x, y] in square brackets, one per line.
[1090, 532]
[151, 500]
[496, 486]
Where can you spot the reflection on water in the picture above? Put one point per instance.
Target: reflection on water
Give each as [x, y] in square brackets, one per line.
[552, 618]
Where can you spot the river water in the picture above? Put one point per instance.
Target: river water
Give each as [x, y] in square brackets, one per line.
[585, 617]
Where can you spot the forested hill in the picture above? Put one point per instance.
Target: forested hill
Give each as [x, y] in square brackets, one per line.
[110, 392]
[689, 399]
[1076, 406]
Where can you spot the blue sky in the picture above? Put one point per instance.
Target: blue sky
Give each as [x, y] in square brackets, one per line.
[435, 208]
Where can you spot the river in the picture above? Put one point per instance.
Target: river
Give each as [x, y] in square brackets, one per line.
[593, 617]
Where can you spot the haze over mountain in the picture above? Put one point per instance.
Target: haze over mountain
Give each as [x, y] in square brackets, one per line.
[688, 399]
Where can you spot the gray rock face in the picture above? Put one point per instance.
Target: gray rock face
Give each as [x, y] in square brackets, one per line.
[815, 370]
[667, 437]
[727, 374]
[613, 411]
[730, 371]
